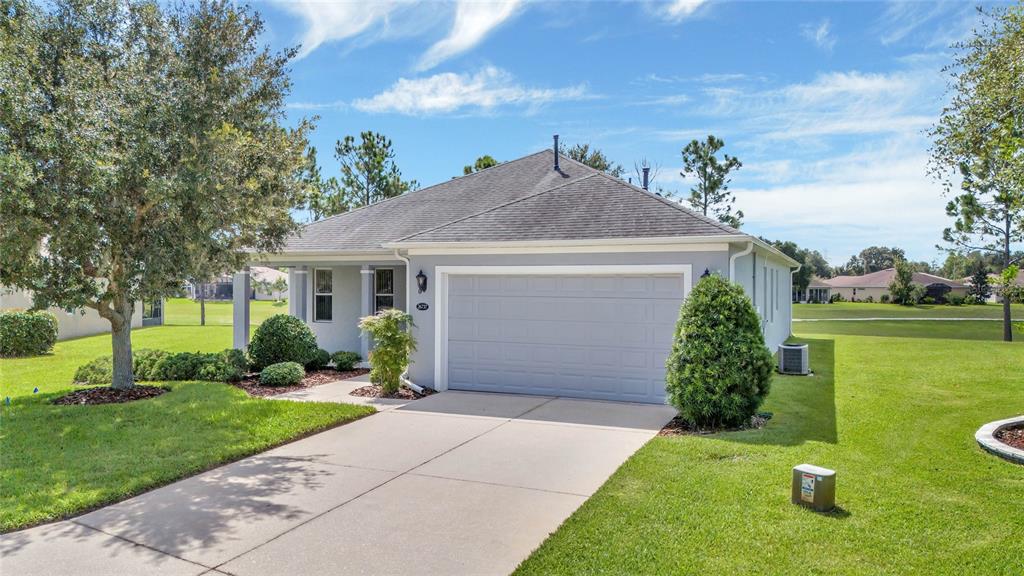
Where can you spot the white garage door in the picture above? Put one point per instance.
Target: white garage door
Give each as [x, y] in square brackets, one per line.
[602, 337]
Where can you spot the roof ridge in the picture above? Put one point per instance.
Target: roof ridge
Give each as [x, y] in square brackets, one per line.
[493, 208]
[411, 192]
[676, 205]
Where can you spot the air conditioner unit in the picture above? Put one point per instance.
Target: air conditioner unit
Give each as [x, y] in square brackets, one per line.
[794, 359]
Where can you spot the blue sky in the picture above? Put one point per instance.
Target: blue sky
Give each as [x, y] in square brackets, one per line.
[826, 104]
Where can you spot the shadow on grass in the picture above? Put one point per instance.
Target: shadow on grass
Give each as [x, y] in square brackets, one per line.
[803, 407]
[933, 329]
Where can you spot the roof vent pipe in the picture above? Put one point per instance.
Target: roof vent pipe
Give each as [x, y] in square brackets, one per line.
[647, 170]
[556, 151]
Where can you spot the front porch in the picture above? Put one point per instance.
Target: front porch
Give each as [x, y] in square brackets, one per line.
[330, 297]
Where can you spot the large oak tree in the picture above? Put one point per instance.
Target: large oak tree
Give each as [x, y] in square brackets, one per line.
[138, 143]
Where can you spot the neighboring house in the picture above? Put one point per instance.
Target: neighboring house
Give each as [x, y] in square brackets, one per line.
[269, 275]
[992, 280]
[84, 322]
[876, 285]
[536, 276]
[222, 287]
[817, 292]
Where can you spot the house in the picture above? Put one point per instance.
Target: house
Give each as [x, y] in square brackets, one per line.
[86, 321]
[536, 276]
[993, 280]
[222, 287]
[817, 292]
[875, 286]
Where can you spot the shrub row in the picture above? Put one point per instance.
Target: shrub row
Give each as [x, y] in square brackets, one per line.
[27, 333]
[227, 366]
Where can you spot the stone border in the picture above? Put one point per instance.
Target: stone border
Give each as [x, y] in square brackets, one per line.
[987, 440]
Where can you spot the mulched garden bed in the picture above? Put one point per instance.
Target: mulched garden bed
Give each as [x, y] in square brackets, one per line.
[678, 427]
[251, 383]
[1012, 436]
[108, 395]
[374, 391]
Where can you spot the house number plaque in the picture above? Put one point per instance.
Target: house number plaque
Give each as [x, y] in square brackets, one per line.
[422, 306]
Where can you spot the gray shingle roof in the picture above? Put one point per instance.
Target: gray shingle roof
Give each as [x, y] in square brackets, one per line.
[525, 199]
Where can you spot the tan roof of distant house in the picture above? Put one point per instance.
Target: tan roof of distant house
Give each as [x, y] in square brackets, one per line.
[268, 274]
[992, 277]
[883, 278]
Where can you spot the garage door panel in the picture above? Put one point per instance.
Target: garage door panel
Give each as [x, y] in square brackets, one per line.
[603, 337]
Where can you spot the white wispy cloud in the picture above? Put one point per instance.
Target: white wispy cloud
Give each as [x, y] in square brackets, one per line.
[486, 90]
[330, 21]
[821, 34]
[474, 20]
[678, 10]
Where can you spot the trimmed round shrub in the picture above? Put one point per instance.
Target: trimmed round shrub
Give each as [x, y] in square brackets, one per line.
[282, 338]
[27, 333]
[345, 360]
[719, 370]
[320, 360]
[282, 374]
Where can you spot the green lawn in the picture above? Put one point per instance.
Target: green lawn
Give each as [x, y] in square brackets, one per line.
[866, 310]
[950, 330]
[894, 416]
[61, 460]
[185, 312]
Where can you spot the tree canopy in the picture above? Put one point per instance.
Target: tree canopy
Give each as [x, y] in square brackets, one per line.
[482, 163]
[138, 140]
[978, 141]
[595, 158]
[711, 195]
[369, 174]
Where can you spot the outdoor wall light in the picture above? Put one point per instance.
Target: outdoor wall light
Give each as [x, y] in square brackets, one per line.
[706, 273]
[421, 282]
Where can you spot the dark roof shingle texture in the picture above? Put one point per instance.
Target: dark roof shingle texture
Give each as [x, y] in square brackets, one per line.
[525, 199]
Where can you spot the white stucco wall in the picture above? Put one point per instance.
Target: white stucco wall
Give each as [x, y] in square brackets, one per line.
[767, 279]
[82, 322]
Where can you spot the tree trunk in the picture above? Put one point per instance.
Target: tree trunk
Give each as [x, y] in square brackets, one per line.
[1007, 324]
[1007, 255]
[202, 307]
[122, 344]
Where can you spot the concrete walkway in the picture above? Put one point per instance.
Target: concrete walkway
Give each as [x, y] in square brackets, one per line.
[455, 483]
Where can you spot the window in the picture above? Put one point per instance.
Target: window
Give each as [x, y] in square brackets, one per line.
[151, 309]
[384, 289]
[323, 295]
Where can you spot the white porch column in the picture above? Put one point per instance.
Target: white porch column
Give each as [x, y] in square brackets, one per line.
[366, 301]
[298, 290]
[240, 320]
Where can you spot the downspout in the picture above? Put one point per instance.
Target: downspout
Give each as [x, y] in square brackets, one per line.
[408, 298]
[732, 260]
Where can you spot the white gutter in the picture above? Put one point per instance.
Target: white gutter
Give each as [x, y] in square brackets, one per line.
[408, 293]
[732, 260]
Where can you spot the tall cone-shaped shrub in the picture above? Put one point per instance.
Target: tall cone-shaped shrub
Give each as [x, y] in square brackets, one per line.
[719, 370]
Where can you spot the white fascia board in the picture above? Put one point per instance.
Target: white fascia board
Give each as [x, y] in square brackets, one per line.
[337, 256]
[660, 244]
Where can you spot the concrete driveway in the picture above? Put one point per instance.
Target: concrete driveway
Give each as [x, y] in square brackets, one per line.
[455, 483]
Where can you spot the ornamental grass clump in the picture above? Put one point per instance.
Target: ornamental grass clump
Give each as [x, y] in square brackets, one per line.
[719, 370]
[393, 343]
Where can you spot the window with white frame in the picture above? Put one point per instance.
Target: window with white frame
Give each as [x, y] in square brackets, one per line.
[384, 289]
[323, 295]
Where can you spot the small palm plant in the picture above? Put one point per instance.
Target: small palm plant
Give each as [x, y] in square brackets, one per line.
[393, 343]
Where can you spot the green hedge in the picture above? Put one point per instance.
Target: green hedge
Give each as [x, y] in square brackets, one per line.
[320, 360]
[345, 360]
[719, 370]
[282, 338]
[227, 366]
[282, 374]
[27, 333]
